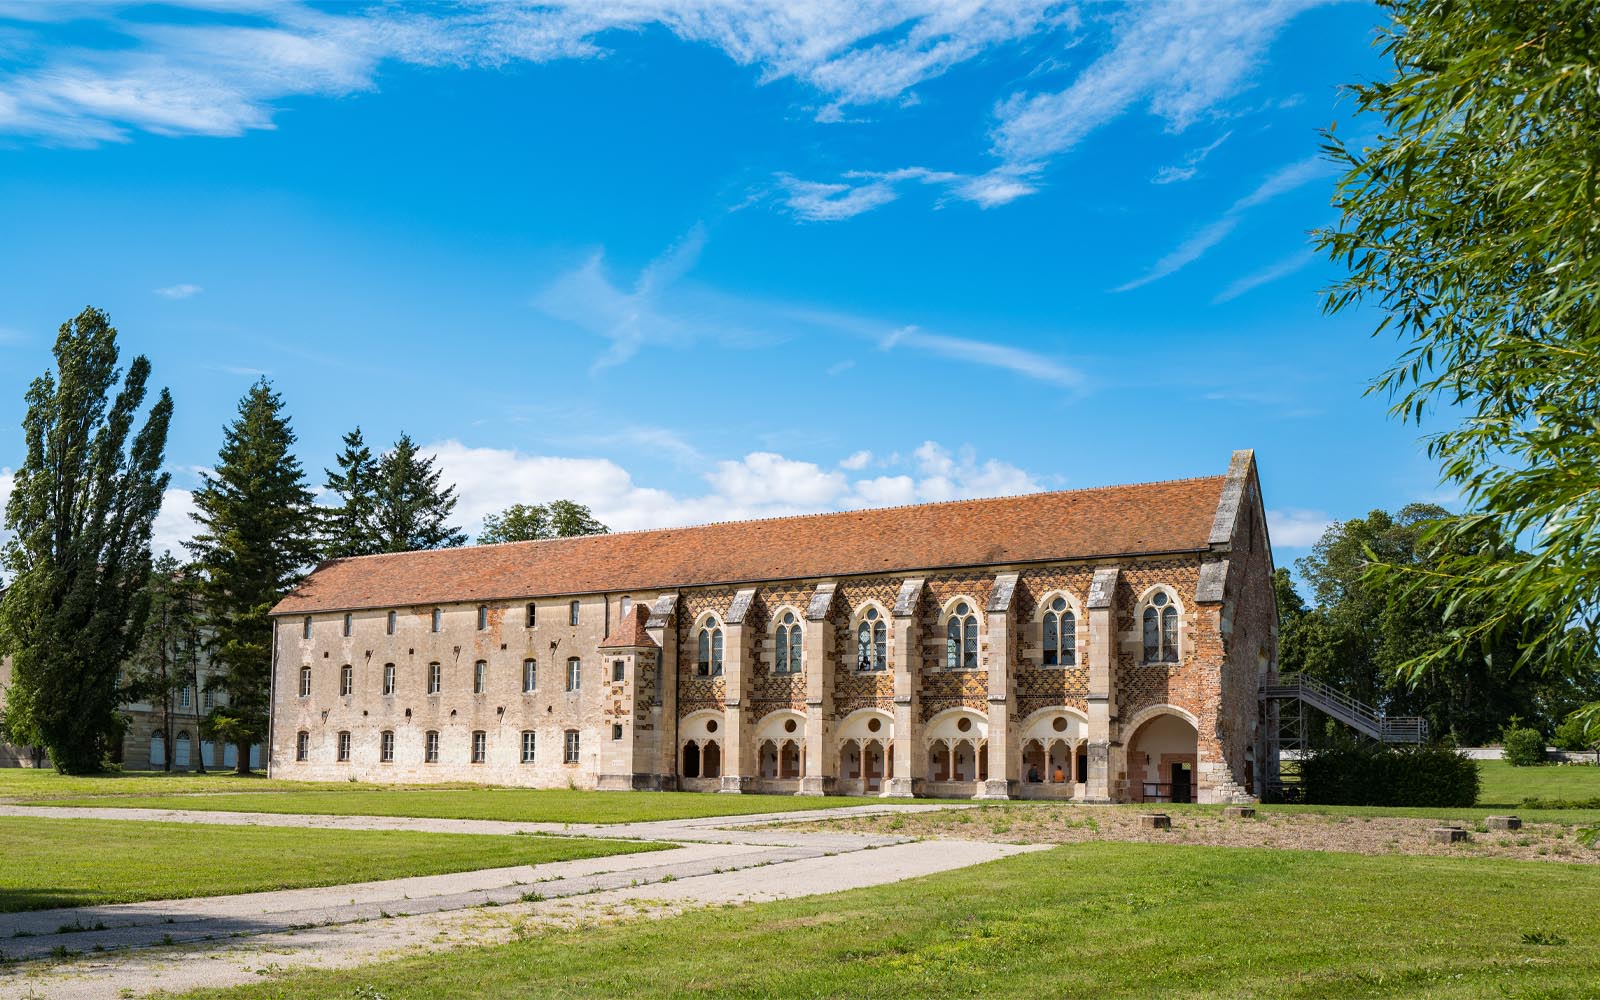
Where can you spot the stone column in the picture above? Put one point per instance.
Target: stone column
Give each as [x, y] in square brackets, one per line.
[739, 764]
[910, 762]
[1102, 681]
[663, 628]
[998, 784]
[820, 762]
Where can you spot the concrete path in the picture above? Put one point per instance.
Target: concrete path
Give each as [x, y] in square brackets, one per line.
[223, 940]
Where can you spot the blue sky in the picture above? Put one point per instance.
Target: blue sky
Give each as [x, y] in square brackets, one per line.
[690, 262]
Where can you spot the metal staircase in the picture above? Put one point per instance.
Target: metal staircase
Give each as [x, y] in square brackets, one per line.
[1363, 718]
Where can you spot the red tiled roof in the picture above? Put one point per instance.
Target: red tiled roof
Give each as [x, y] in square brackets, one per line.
[1173, 516]
[631, 633]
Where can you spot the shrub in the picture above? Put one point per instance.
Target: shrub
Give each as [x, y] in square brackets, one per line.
[1381, 775]
[1524, 747]
[1572, 735]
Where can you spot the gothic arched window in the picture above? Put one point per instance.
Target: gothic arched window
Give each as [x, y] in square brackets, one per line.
[872, 642]
[787, 659]
[1060, 635]
[961, 639]
[709, 649]
[1160, 630]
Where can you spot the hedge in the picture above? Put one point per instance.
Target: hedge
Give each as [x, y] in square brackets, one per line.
[1383, 775]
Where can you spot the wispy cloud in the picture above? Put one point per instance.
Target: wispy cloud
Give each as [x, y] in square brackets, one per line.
[1014, 359]
[1295, 528]
[1191, 164]
[1272, 272]
[1279, 182]
[179, 291]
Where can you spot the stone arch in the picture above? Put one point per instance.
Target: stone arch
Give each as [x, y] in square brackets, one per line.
[946, 725]
[1163, 755]
[774, 725]
[705, 724]
[858, 726]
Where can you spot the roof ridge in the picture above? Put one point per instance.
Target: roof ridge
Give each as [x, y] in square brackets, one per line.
[800, 517]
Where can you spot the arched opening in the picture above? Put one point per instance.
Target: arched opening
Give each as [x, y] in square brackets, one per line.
[873, 758]
[965, 763]
[850, 760]
[711, 760]
[789, 760]
[1083, 763]
[1035, 769]
[180, 755]
[939, 762]
[158, 750]
[1161, 760]
[1060, 762]
[691, 759]
[769, 759]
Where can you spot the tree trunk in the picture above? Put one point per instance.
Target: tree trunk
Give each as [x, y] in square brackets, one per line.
[243, 763]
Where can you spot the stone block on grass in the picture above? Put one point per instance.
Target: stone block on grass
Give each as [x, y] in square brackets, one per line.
[1239, 812]
[1447, 835]
[1155, 821]
[1504, 822]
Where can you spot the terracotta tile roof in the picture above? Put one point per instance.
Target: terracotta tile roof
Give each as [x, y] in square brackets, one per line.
[1173, 516]
[631, 633]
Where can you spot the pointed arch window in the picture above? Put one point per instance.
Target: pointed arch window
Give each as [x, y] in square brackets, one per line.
[1160, 630]
[1060, 635]
[709, 649]
[961, 639]
[872, 642]
[787, 660]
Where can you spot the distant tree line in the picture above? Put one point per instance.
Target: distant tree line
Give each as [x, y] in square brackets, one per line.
[91, 621]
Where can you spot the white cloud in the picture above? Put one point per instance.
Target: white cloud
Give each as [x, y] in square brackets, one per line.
[1015, 359]
[1295, 528]
[814, 201]
[173, 525]
[862, 191]
[840, 367]
[1190, 165]
[179, 291]
[1270, 273]
[1186, 253]
[856, 461]
[761, 484]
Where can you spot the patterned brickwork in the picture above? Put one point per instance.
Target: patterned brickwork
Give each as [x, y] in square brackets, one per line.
[697, 693]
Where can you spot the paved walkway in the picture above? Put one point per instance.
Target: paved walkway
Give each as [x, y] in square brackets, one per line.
[223, 940]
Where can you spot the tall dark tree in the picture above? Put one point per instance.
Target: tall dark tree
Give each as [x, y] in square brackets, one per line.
[81, 509]
[165, 662]
[411, 509]
[348, 529]
[529, 522]
[257, 538]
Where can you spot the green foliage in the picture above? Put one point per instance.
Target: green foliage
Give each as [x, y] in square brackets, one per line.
[530, 522]
[348, 528]
[1473, 223]
[1523, 746]
[166, 660]
[1351, 774]
[1577, 733]
[1366, 628]
[81, 509]
[410, 508]
[257, 537]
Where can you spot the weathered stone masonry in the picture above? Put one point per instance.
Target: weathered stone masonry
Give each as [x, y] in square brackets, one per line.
[727, 658]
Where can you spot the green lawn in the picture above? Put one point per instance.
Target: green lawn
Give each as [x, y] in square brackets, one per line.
[29, 783]
[1096, 920]
[49, 862]
[1504, 785]
[517, 804]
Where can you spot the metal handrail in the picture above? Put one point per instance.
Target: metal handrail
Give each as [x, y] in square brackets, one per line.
[1351, 711]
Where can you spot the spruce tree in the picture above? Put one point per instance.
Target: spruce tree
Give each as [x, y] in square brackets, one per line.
[80, 513]
[257, 539]
[348, 529]
[412, 511]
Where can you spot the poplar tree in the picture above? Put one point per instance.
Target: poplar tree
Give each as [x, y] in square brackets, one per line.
[411, 508]
[348, 529]
[257, 539]
[81, 509]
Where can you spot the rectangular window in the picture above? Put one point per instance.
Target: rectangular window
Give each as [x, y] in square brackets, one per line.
[347, 679]
[574, 674]
[435, 678]
[483, 617]
[533, 615]
[208, 699]
[618, 670]
[530, 745]
[480, 677]
[530, 676]
[480, 746]
[183, 697]
[344, 745]
[302, 746]
[572, 613]
[386, 747]
[388, 678]
[430, 747]
[349, 623]
[394, 620]
[305, 628]
[572, 746]
[305, 682]
[616, 731]
[438, 619]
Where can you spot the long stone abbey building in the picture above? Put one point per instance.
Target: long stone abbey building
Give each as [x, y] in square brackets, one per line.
[1099, 644]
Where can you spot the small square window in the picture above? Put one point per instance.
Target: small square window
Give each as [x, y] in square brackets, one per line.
[619, 670]
[616, 731]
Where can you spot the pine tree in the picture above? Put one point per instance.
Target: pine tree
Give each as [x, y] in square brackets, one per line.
[81, 510]
[411, 510]
[528, 522]
[162, 663]
[348, 529]
[257, 538]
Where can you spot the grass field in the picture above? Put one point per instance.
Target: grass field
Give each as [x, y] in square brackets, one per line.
[30, 783]
[51, 862]
[1097, 920]
[516, 804]
[1507, 786]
